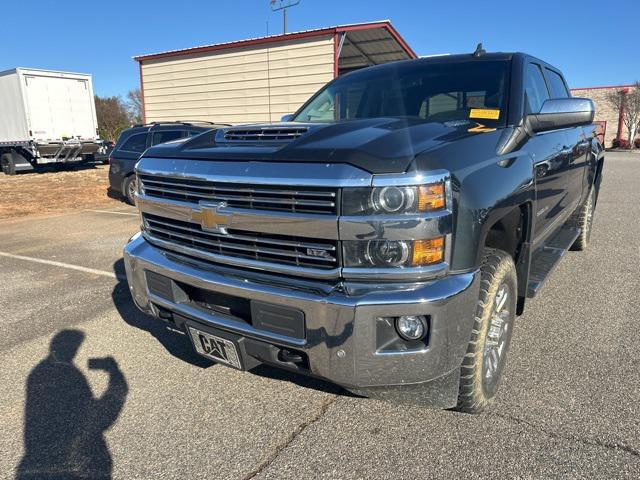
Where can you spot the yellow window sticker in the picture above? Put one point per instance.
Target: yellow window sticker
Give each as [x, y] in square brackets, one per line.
[486, 113]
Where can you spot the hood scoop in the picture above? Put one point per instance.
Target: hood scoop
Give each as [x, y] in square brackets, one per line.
[264, 134]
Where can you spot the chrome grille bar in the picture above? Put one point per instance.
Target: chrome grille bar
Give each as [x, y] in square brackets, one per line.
[263, 248]
[239, 196]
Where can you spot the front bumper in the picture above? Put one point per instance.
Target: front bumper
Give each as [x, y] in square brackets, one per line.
[340, 340]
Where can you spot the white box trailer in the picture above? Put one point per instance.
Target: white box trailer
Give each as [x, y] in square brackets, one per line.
[46, 117]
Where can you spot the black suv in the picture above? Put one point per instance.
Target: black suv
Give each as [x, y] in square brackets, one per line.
[135, 140]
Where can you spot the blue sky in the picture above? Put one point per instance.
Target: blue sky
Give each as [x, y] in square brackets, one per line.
[591, 41]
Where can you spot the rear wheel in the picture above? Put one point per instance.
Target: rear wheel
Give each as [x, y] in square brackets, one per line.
[583, 219]
[484, 362]
[129, 189]
[8, 165]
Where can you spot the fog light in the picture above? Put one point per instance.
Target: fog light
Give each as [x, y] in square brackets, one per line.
[412, 327]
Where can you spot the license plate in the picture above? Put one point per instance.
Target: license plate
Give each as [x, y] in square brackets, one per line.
[216, 348]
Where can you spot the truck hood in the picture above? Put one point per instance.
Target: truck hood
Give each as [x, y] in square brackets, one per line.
[377, 145]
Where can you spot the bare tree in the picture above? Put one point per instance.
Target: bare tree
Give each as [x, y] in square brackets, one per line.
[134, 105]
[627, 100]
[113, 117]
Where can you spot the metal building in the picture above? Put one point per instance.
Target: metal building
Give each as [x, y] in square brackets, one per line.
[260, 79]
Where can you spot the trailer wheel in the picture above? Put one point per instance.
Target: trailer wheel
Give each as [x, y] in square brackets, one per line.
[8, 165]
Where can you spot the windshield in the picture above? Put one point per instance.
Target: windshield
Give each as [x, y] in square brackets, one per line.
[433, 92]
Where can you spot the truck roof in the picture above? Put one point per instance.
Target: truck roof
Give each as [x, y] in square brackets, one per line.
[462, 58]
[41, 70]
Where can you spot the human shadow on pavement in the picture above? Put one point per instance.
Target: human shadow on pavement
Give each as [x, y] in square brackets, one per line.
[64, 423]
[177, 345]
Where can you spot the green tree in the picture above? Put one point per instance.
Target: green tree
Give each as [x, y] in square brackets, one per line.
[113, 117]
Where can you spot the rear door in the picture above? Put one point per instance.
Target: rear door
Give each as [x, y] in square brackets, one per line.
[551, 152]
[578, 141]
[59, 107]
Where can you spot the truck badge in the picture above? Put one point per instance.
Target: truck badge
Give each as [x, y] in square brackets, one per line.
[211, 218]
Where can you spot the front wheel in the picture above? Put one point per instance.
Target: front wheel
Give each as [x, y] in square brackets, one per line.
[484, 361]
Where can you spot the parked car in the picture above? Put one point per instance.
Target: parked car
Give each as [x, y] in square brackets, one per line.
[386, 238]
[135, 140]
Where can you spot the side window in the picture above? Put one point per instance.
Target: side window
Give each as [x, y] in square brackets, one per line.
[166, 136]
[556, 84]
[535, 89]
[193, 133]
[135, 143]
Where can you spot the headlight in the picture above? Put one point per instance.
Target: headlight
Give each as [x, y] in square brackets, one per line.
[393, 253]
[394, 199]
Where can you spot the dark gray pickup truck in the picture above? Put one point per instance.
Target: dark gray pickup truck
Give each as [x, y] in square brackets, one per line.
[385, 238]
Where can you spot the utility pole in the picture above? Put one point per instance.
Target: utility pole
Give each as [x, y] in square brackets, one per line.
[283, 5]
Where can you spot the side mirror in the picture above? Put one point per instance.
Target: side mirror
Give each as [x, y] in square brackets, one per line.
[287, 117]
[557, 113]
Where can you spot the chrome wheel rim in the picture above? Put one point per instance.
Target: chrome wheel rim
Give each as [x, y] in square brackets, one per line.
[133, 186]
[496, 339]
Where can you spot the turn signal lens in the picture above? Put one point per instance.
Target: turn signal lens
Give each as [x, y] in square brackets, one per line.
[428, 252]
[431, 197]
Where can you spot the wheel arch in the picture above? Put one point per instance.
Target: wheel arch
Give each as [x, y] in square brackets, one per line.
[511, 233]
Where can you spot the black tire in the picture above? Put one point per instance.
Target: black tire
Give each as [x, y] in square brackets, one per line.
[8, 165]
[484, 361]
[129, 188]
[583, 219]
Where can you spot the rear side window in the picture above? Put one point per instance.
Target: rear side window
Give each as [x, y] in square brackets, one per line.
[166, 136]
[193, 133]
[135, 143]
[535, 89]
[556, 84]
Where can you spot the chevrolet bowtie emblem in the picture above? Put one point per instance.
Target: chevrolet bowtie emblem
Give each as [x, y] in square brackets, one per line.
[211, 218]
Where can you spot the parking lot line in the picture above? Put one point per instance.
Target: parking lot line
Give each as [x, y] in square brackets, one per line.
[115, 213]
[64, 265]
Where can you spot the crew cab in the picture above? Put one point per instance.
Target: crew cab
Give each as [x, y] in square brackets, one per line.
[385, 237]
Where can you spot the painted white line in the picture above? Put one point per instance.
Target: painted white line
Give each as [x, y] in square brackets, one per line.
[64, 265]
[115, 213]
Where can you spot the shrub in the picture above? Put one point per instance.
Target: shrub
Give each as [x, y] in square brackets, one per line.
[620, 143]
[637, 142]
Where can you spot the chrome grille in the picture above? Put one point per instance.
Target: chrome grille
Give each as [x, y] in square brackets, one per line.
[280, 249]
[285, 199]
[262, 134]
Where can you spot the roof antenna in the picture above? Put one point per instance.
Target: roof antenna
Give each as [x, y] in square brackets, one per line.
[479, 51]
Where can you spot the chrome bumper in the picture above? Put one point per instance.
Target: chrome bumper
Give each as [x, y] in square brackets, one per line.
[340, 323]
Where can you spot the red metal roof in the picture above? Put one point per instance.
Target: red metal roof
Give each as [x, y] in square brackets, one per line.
[603, 87]
[385, 24]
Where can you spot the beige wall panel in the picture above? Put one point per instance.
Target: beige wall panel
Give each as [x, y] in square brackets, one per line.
[256, 70]
[291, 49]
[238, 85]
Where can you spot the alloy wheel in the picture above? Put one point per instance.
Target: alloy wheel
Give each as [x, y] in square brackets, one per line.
[497, 336]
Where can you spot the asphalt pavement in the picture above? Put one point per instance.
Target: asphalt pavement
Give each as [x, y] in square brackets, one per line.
[568, 406]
